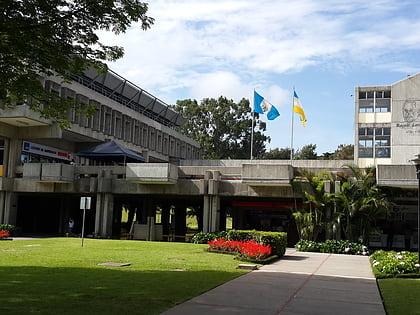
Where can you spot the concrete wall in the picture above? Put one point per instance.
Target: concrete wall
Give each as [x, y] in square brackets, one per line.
[405, 120]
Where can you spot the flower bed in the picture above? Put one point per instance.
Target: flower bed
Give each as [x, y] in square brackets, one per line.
[4, 234]
[332, 246]
[390, 264]
[245, 250]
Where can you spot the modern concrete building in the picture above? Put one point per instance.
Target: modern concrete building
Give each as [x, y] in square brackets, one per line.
[387, 133]
[40, 189]
[388, 123]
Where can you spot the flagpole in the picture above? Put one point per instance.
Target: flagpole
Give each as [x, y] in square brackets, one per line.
[291, 141]
[252, 130]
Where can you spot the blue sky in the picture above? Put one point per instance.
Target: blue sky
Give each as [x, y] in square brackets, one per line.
[323, 48]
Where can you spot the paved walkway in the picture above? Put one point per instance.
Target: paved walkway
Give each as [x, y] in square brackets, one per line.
[299, 283]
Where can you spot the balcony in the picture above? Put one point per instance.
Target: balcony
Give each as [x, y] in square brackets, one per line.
[152, 173]
[267, 174]
[397, 176]
[49, 172]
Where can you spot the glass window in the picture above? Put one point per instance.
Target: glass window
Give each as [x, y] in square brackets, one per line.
[382, 142]
[387, 94]
[379, 94]
[382, 152]
[366, 143]
[362, 95]
[370, 94]
[365, 152]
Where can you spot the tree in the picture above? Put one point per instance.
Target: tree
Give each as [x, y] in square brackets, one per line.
[43, 38]
[344, 152]
[277, 154]
[306, 153]
[361, 203]
[317, 216]
[222, 127]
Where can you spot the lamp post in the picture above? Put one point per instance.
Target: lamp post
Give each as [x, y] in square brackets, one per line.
[416, 162]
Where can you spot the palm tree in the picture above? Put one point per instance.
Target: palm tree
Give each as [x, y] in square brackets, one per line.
[361, 203]
[314, 218]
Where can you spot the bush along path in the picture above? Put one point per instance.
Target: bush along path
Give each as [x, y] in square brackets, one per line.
[332, 246]
[391, 264]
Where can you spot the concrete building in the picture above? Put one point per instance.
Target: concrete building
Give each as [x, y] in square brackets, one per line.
[152, 200]
[387, 135]
[387, 123]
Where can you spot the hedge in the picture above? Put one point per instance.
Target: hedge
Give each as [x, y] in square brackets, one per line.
[277, 240]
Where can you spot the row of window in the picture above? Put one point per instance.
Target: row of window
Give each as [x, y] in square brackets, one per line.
[114, 123]
[375, 142]
[375, 102]
[374, 94]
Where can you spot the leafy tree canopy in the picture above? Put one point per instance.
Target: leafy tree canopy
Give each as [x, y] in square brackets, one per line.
[277, 154]
[42, 37]
[306, 153]
[222, 127]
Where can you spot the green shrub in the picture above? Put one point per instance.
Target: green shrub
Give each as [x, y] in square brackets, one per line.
[307, 246]
[332, 246]
[204, 238]
[342, 247]
[241, 235]
[390, 264]
[277, 240]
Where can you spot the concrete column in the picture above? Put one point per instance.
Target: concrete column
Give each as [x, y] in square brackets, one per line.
[8, 210]
[180, 219]
[104, 214]
[211, 213]
[8, 199]
[12, 153]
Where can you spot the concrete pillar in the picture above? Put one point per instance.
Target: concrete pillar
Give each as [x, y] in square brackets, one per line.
[165, 218]
[8, 199]
[12, 154]
[8, 207]
[211, 213]
[180, 219]
[104, 214]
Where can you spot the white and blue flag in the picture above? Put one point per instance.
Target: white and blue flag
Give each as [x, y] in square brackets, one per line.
[262, 106]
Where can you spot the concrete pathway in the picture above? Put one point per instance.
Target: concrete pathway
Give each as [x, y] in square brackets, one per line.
[299, 283]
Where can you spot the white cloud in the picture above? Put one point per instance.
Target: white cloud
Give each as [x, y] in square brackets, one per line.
[199, 49]
[190, 38]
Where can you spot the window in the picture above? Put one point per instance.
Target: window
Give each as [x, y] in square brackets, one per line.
[375, 101]
[375, 142]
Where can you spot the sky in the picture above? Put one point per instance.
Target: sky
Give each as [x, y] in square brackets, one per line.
[321, 48]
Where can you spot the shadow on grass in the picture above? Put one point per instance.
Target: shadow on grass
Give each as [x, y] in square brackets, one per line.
[43, 290]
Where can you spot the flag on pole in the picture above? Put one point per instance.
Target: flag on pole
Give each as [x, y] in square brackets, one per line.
[298, 108]
[262, 106]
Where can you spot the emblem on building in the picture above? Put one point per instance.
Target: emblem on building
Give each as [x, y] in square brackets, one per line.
[411, 110]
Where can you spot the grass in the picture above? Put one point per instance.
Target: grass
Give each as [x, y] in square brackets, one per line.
[400, 295]
[58, 276]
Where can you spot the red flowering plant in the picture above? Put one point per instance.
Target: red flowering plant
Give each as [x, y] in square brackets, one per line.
[255, 251]
[223, 245]
[4, 234]
[248, 250]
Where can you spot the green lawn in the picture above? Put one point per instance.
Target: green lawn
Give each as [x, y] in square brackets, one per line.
[401, 295]
[58, 276]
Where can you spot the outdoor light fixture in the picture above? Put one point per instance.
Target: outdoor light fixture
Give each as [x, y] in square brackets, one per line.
[416, 162]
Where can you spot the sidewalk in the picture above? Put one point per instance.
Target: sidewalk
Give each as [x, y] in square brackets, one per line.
[299, 283]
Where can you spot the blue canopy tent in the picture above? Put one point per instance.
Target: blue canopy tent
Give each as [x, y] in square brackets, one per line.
[111, 151]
